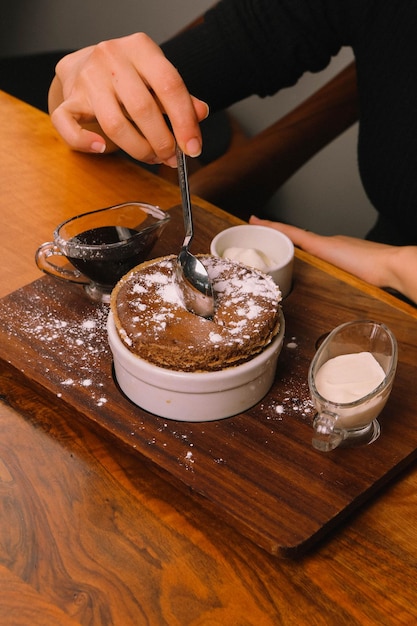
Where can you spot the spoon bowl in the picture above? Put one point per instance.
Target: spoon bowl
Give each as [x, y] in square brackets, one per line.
[195, 284]
[193, 279]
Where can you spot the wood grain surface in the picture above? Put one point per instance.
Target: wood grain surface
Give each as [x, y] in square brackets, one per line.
[89, 534]
[258, 470]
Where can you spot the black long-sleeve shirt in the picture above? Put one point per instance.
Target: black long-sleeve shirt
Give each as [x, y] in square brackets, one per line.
[247, 47]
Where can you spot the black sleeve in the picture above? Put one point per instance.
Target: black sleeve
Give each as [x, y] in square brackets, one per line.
[247, 47]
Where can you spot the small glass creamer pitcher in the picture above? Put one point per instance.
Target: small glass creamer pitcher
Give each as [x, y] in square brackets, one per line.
[353, 422]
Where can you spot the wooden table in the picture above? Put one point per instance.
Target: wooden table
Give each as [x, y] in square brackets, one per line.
[88, 533]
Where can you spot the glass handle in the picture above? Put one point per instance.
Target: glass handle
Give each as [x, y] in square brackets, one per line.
[326, 437]
[44, 260]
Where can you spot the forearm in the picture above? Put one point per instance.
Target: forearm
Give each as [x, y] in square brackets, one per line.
[393, 267]
[373, 262]
[402, 268]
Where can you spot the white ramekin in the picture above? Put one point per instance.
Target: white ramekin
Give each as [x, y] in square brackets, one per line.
[271, 242]
[194, 396]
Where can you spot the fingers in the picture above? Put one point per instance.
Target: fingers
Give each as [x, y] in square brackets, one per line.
[304, 239]
[270, 223]
[127, 86]
[298, 235]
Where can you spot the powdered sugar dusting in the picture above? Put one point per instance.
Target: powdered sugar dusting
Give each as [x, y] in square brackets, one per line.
[294, 401]
[215, 337]
[292, 344]
[153, 322]
[67, 344]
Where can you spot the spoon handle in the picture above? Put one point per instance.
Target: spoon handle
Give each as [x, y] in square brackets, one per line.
[185, 195]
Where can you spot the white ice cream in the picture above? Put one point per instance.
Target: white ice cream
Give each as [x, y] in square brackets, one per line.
[249, 256]
[349, 377]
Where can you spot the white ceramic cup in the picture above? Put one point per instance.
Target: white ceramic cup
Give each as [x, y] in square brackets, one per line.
[272, 243]
[194, 396]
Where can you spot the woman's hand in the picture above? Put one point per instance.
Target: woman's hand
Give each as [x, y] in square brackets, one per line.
[376, 263]
[120, 90]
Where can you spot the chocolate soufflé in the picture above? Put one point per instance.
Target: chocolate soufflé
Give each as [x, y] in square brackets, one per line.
[154, 324]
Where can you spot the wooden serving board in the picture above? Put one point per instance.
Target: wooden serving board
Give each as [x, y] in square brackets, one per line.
[257, 471]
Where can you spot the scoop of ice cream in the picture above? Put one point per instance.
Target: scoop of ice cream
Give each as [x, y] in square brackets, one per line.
[249, 256]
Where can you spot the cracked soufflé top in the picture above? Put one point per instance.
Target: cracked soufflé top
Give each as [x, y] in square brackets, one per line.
[152, 321]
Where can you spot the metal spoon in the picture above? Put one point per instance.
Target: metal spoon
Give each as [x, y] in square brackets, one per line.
[192, 276]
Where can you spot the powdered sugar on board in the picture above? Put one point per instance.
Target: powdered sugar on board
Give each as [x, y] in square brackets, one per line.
[64, 336]
[68, 343]
[294, 400]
